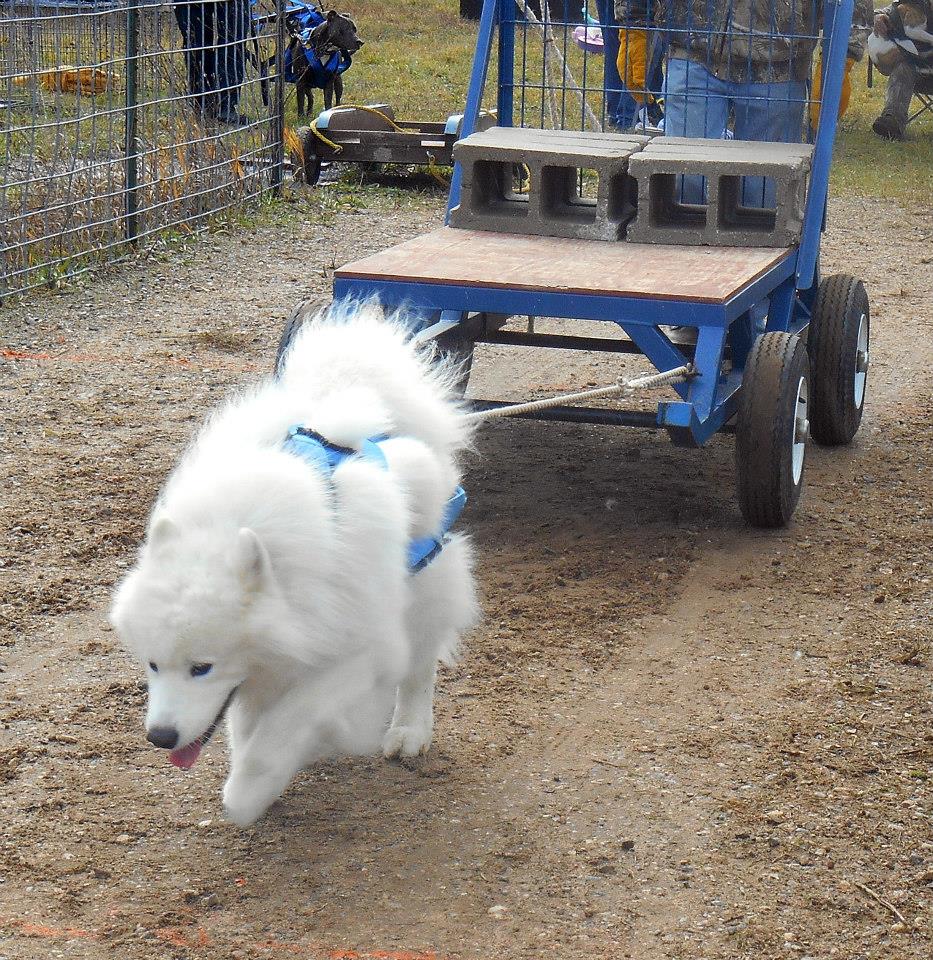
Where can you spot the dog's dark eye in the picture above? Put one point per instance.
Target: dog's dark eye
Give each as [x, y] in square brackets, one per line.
[200, 669]
[153, 667]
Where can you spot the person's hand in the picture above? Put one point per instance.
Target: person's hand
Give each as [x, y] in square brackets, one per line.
[882, 25]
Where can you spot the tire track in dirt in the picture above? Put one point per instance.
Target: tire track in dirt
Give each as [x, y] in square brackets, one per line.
[730, 659]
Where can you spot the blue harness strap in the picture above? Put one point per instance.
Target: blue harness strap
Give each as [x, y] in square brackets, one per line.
[319, 72]
[327, 456]
[423, 550]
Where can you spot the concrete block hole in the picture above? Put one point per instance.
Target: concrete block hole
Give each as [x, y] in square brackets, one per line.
[500, 188]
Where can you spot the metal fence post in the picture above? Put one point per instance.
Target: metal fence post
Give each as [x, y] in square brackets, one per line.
[131, 157]
[278, 119]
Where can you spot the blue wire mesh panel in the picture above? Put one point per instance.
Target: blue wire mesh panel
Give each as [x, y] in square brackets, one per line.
[119, 122]
[741, 70]
[701, 68]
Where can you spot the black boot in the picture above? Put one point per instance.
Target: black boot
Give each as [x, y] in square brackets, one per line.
[230, 115]
[888, 128]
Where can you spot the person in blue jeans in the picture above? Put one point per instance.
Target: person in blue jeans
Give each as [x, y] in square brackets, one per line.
[736, 65]
[621, 107]
[622, 104]
[741, 62]
[697, 103]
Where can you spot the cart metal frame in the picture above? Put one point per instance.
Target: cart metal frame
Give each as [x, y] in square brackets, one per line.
[787, 288]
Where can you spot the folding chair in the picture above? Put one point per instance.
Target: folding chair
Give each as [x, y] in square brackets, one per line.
[924, 93]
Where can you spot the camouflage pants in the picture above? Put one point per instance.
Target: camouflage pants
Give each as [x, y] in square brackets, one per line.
[901, 83]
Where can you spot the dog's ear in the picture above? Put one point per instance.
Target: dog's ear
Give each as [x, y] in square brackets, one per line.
[331, 15]
[162, 532]
[251, 561]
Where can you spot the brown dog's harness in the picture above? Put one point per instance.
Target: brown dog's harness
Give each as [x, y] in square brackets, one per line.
[308, 26]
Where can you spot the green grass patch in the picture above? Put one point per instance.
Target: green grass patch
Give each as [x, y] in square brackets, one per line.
[864, 165]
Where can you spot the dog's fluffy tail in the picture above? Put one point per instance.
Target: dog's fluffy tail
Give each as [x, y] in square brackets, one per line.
[352, 416]
[353, 356]
[426, 482]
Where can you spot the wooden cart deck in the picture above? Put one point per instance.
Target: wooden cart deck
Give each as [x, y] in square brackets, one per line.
[555, 265]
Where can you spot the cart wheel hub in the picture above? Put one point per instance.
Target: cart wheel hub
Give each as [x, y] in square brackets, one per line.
[802, 430]
[861, 362]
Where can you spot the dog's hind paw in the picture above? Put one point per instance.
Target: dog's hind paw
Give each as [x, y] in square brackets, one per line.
[406, 742]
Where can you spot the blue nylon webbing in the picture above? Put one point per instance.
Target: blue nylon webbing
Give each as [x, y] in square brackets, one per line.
[319, 452]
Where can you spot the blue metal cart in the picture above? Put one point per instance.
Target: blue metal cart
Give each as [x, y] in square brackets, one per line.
[779, 355]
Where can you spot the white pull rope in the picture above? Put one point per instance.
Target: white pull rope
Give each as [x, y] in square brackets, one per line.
[621, 388]
[569, 81]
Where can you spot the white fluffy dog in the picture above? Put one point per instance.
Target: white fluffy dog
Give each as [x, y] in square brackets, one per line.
[280, 594]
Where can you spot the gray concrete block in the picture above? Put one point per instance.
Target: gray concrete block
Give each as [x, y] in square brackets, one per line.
[558, 164]
[524, 135]
[724, 220]
[690, 145]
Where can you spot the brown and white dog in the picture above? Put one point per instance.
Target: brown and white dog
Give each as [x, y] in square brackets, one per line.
[898, 32]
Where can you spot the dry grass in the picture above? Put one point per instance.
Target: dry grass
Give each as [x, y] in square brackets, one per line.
[62, 169]
[225, 339]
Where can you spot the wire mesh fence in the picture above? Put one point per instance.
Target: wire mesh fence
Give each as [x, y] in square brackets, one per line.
[123, 120]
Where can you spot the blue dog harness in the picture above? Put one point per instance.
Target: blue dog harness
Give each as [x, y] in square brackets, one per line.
[320, 72]
[319, 452]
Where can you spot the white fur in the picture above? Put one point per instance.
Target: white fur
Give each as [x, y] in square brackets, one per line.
[885, 52]
[881, 50]
[294, 586]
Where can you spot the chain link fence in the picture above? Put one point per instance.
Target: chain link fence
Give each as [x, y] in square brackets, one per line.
[123, 120]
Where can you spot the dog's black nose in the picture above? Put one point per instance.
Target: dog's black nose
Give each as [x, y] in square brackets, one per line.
[164, 737]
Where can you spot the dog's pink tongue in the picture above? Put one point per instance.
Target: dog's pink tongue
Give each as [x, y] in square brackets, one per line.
[186, 756]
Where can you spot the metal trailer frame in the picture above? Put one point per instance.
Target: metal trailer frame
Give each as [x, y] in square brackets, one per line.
[710, 400]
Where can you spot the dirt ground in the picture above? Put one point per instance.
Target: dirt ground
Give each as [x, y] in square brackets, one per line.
[671, 737]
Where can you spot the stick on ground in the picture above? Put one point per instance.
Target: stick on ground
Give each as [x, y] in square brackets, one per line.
[884, 903]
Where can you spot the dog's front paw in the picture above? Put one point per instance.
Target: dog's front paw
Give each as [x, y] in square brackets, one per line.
[406, 741]
[245, 800]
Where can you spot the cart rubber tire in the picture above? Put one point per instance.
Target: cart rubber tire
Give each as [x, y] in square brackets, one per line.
[459, 349]
[310, 156]
[838, 342]
[296, 319]
[772, 428]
